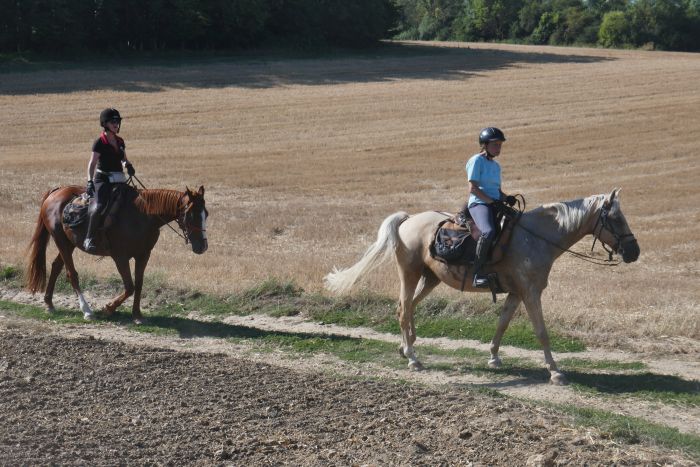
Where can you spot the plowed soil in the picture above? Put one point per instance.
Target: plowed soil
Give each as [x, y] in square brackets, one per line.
[70, 398]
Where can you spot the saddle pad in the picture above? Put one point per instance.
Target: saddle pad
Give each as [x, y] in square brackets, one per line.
[454, 243]
[76, 212]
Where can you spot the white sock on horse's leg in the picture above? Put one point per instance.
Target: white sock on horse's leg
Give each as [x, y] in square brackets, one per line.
[85, 307]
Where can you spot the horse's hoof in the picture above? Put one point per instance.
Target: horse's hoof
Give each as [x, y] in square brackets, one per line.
[415, 365]
[495, 362]
[51, 310]
[138, 321]
[89, 317]
[558, 379]
[403, 355]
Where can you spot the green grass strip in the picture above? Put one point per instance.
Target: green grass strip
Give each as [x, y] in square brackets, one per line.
[39, 313]
[435, 319]
[633, 430]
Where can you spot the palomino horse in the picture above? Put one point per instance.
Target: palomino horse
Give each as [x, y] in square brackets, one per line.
[141, 216]
[539, 238]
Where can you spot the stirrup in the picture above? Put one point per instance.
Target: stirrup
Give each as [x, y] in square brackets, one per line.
[480, 282]
[89, 245]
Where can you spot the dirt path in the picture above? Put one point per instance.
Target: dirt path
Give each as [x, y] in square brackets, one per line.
[686, 419]
[101, 394]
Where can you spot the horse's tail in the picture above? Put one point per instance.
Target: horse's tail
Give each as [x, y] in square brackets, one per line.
[36, 264]
[342, 280]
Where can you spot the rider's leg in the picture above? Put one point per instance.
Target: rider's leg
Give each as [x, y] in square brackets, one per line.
[481, 213]
[102, 192]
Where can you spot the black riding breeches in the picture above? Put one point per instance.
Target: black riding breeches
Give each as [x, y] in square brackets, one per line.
[103, 191]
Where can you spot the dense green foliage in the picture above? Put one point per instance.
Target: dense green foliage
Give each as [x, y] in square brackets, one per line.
[75, 26]
[662, 24]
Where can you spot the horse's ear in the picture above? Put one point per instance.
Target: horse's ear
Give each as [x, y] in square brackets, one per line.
[187, 190]
[201, 190]
[614, 194]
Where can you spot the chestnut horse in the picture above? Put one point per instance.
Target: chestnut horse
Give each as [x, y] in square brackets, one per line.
[540, 237]
[140, 217]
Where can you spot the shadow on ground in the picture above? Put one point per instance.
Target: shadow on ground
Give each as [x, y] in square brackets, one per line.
[385, 63]
[188, 328]
[605, 383]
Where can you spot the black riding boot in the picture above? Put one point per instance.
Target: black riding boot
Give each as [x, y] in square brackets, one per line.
[89, 243]
[482, 251]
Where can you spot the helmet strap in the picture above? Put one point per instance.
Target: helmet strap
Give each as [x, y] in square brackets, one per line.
[489, 156]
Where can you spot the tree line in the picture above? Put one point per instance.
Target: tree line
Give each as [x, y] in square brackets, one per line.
[76, 26]
[659, 24]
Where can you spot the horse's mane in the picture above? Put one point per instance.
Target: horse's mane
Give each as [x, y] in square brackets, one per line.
[571, 215]
[158, 202]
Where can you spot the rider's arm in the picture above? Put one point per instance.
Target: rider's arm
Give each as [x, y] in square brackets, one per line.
[125, 161]
[92, 164]
[474, 188]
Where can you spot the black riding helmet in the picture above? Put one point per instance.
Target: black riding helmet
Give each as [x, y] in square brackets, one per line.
[491, 134]
[108, 115]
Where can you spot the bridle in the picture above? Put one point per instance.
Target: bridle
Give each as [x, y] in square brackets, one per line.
[181, 222]
[604, 223]
[187, 229]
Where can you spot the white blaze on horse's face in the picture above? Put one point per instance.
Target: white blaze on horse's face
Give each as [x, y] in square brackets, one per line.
[204, 224]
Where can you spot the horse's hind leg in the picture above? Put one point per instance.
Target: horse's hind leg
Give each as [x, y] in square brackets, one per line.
[56, 268]
[509, 307]
[409, 281]
[66, 249]
[426, 285]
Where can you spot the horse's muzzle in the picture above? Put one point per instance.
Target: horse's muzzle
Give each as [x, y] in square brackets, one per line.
[629, 251]
[200, 247]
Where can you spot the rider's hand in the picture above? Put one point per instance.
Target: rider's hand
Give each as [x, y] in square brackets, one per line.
[130, 170]
[510, 200]
[90, 189]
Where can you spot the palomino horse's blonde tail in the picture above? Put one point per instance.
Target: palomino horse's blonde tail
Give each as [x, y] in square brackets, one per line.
[342, 280]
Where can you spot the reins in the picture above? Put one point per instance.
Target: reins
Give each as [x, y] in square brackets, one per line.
[185, 238]
[581, 256]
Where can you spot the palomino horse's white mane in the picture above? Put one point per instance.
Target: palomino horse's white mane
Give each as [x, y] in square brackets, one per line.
[571, 215]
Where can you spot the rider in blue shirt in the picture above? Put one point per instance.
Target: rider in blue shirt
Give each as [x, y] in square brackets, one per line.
[485, 195]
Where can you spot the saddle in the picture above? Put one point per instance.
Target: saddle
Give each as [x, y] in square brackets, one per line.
[456, 237]
[75, 214]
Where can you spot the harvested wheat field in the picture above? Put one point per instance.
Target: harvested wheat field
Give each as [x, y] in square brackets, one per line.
[302, 159]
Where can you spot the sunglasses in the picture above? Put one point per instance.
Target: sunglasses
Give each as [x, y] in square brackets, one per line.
[116, 120]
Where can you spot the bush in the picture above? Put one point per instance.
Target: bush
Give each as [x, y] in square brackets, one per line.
[614, 30]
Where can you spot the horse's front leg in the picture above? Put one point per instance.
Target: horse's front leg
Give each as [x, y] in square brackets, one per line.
[139, 269]
[122, 264]
[509, 307]
[533, 304]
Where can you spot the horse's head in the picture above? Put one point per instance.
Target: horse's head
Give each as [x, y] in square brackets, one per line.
[612, 229]
[193, 219]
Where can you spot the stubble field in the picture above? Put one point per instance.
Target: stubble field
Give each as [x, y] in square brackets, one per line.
[302, 159]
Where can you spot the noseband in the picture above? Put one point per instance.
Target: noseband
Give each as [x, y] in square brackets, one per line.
[604, 223]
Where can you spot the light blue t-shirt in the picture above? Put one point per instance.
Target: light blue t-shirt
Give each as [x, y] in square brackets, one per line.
[487, 175]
